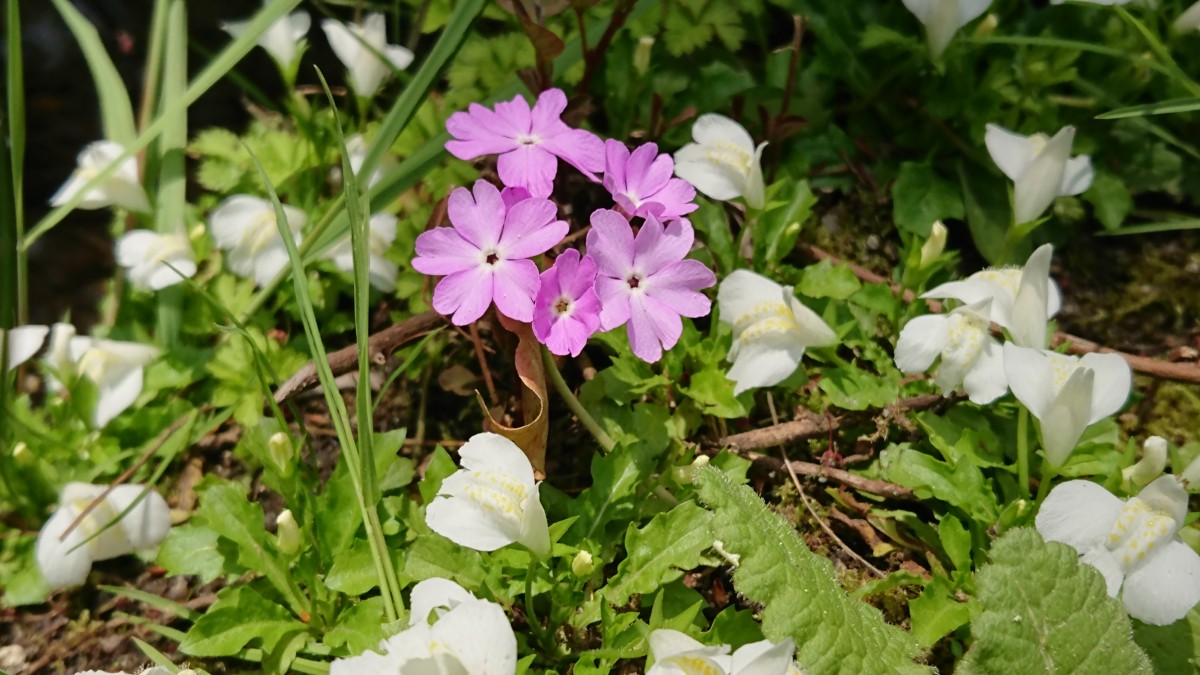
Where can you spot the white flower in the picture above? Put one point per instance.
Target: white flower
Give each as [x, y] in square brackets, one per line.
[284, 39]
[1040, 167]
[23, 343]
[143, 527]
[122, 187]
[1135, 544]
[1066, 393]
[771, 329]
[971, 357]
[360, 48]
[492, 501]
[114, 367]
[382, 231]
[146, 256]
[245, 228]
[1018, 296]
[1150, 466]
[356, 149]
[675, 653]
[943, 18]
[723, 163]
[467, 635]
[1189, 20]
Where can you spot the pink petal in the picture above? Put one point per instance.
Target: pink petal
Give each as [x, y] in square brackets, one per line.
[479, 215]
[515, 114]
[516, 286]
[582, 277]
[530, 229]
[676, 199]
[615, 157]
[656, 246]
[478, 132]
[610, 243]
[465, 294]
[442, 251]
[529, 167]
[581, 149]
[649, 321]
[512, 195]
[677, 286]
[639, 165]
[614, 302]
[655, 176]
[547, 111]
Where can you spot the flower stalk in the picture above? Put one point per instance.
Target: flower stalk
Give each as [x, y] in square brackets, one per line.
[560, 385]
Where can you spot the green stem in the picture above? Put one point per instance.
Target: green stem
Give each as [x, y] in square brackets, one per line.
[1023, 450]
[568, 397]
[535, 625]
[1048, 473]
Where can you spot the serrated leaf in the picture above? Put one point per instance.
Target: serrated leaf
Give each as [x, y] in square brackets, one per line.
[803, 599]
[714, 393]
[826, 280]
[240, 614]
[669, 545]
[1045, 612]
[920, 196]
[855, 389]
[191, 549]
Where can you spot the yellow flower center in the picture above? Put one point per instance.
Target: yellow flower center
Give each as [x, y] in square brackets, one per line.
[964, 338]
[1138, 531]
[729, 154]
[497, 491]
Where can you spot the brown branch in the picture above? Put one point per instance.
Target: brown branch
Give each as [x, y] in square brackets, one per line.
[344, 360]
[869, 485]
[812, 426]
[1167, 370]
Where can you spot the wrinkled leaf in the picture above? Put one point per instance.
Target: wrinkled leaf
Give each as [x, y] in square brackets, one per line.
[530, 437]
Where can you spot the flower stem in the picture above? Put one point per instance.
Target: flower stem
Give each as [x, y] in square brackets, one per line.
[1048, 474]
[1023, 450]
[530, 615]
[568, 397]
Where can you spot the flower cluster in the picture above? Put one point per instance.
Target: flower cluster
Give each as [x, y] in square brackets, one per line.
[641, 280]
[1065, 393]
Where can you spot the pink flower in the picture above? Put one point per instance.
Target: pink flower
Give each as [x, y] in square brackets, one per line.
[641, 182]
[526, 140]
[646, 281]
[567, 309]
[485, 254]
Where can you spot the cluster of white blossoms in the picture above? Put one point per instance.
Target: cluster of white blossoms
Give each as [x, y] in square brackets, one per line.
[1065, 393]
[129, 518]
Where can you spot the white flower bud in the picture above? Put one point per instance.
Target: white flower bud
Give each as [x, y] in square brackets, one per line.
[582, 565]
[280, 449]
[934, 245]
[287, 533]
[1150, 466]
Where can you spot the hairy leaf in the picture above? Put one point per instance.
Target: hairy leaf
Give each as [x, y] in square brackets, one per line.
[802, 598]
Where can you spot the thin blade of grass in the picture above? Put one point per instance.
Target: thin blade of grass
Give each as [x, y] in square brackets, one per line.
[216, 69]
[116, 112]
[156, 601]
[384, 569]
[172, 173]
[1149, 228]
[1060, 43]
[1179, 105]
[156, 656]
[1160, 50]
[10, 241]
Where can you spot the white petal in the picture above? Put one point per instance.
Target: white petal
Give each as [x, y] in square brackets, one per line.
[1166, 494]
[921, 342]
[1030, 377]
[1027, 321]
[269, 263]
[810, 327]
[233, 216]
[763, 658]
[977, 289]
[1109, 567]
[133, 247]
[535, 532]
[116, 397]
[479, 634]
[436, 593]
[148, 522]
[1068, 416]
[971, 9]
[712, 128]
[944, 21]
[665, 643]
[985, 380]
[343, 42]
[1012, 152]
[1078, 513]
[922, 9]
[765, 362]
[24, 342]
[398, 56]
[1114, 380]
[1077, 177]
[1189, 20]
[717, 181]
[742, 292]
[1166, 588]
[495, 453]
[60, 568]
[755, 191]
[1038, 186]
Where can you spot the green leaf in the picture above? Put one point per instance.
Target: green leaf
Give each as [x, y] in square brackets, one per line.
[192, 549]
[615, 477]
[1111, 199]
[920, 196]
[353, 570]
[1173, 106]
[359, 627]
[1174, 648]
[956, 540]
[826, 280]
[432, 555]
[1045, 612]
[240, 614]
[669, 545]
[802, 597]
[936, 612]
[854, 389]
[775, 235]
[961, 484]
[714, 393]
[440, 466]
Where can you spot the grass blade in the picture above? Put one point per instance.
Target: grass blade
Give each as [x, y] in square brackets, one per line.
[1148, 228]
[13, 262]
[1178, 105]
[1160, 50]
[171, 196]
[116, 112]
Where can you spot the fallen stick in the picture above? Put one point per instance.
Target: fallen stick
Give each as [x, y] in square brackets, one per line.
[344, 360]
[1167, 370]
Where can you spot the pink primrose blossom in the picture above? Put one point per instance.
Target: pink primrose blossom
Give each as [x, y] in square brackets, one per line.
[645, 281]
[485, 255]
[567, 309]
[641, 182]
[528, 141]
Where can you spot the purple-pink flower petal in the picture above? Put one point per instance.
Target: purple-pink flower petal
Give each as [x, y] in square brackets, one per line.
[515, 285]
[614, 301]
[657, 245]
[530, 229]
[478, 214]
[579, 148]
[547, 112]
[676, 287]
[466, 295]
[610, 243]
[443, 251]
[530, 167]
[479, 132]
[567, 309]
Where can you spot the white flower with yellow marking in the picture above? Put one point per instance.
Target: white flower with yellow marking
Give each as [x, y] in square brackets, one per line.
[1135, 544]
[148, 258]
[723, 163]
[492, 501]
[675, 653]
[284, 40]
[364, 50]
[1040, 166]
[244, 227]
[1066, 393]
[1023, 299]
[943, 18]
[122, 188]
[23, 342]
[771, 329]
[66, 561]
[115, 367]
[971, 357]
[450, 631]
